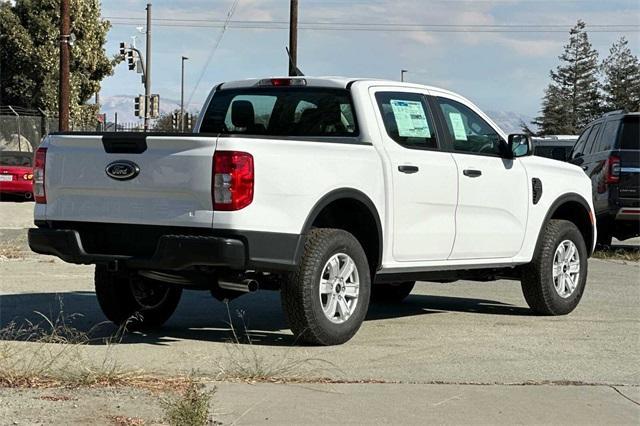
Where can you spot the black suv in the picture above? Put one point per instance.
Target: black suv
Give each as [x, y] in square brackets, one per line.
[608, 150]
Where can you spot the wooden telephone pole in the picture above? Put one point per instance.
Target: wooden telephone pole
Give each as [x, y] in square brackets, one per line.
[293, 37]
[64, 89]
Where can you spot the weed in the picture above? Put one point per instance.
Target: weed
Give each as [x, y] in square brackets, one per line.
[618, 253]
[191, 408]
[246, 362]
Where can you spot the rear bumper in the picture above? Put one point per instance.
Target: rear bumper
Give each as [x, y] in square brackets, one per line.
[16, 187]
[173, 252]
[628, 213]
[238, 251]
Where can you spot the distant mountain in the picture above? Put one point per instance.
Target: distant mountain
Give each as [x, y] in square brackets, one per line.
[123, 105]
[510, 121]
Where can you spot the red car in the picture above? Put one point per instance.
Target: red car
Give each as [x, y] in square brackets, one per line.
[16, 174]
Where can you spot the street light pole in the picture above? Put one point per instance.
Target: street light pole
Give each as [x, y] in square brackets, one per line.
[184, 58]
[402, 74]
[63, 86]
[147, 74]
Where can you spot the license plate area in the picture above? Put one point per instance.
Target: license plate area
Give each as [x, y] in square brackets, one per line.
[6, 178]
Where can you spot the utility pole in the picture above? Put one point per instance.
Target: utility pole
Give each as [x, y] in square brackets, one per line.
[402, 74]
[293, 37]
[184, 58]
[147, 79]
[63, 87]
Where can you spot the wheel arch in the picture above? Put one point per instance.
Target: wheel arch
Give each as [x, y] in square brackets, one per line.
[363, 214]
[574, 208]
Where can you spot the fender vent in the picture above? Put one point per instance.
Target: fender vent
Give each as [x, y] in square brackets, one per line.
[537, 190]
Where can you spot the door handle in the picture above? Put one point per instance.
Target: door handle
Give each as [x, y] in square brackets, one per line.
[408, 169]
[472, 173]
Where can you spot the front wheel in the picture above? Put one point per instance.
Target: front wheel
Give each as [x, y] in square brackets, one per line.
[135, 301]
[326, 299]
[554, 281]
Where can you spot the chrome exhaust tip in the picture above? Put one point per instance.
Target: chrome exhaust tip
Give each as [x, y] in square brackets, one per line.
[248, 285]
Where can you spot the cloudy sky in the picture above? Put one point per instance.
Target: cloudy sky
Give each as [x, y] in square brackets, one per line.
[498, 53]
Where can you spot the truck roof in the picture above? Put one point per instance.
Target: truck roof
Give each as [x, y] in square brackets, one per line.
[336, 82]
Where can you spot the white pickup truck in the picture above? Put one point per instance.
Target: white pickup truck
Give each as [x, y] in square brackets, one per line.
[335, 191]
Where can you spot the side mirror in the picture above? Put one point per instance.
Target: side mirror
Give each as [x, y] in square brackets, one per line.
[520, 145]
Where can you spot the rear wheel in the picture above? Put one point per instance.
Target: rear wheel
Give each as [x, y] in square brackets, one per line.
[391, 292]
[554, 281]
[140, 302]
[326, 299]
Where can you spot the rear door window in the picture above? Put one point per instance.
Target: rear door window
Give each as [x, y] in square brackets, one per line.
[630, 135]
[592, 138]
[407, 119]
[281, 111]
[578, 149]
[608, 138]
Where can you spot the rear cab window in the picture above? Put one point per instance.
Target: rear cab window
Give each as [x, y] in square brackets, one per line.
[281, 112]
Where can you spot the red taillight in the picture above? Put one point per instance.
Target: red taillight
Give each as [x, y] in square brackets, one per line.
[38, 176]
[232, 180]
[612, 168]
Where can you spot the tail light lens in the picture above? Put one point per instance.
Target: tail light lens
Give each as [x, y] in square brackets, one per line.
[233, 180]
[612, 169]
[27, 176]
[38, 176]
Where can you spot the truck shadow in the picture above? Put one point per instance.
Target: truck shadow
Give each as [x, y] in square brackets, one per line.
[256, 317]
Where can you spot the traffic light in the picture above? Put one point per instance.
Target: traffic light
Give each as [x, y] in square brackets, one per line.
[174, 120]
[138, 106]
[123, 48]
[188, 120]
[130, 60]
[154, 106]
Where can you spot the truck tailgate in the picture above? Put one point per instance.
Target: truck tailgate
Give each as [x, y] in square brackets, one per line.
[172, 187]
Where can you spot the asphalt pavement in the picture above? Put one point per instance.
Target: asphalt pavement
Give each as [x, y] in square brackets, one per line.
[452, 353]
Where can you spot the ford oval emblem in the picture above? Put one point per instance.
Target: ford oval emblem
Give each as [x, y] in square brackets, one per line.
[122, 170]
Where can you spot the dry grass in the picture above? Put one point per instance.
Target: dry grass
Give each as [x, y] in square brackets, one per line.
[613, 253]
[247, 363]
[11, 250]
[127, 421]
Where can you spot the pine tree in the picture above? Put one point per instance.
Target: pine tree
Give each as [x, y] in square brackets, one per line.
[621, 71]
[572, 99]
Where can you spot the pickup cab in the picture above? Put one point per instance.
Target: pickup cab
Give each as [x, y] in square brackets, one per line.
[334, 191]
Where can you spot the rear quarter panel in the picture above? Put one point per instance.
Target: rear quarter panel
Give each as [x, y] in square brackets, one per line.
[291, 176]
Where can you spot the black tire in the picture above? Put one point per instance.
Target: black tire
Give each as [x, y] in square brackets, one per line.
[391, 292]
[537, 277]
[301, 300]
[116, 294]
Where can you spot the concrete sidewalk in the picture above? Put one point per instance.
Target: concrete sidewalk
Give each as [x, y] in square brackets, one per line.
[281, 404]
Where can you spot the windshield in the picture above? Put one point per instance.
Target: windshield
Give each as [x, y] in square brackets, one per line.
[305, 112]
[630, 135]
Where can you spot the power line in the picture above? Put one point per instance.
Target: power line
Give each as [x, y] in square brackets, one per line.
[335, 23]
[232, 9]
[627, 29]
